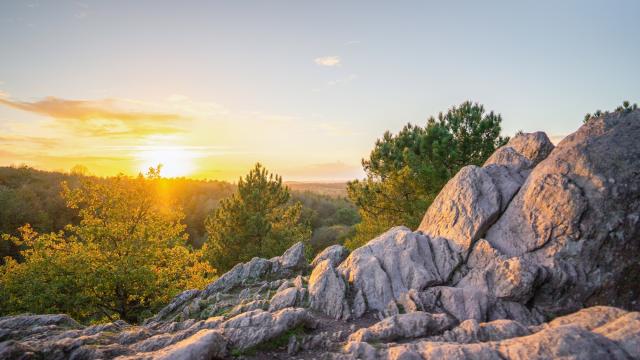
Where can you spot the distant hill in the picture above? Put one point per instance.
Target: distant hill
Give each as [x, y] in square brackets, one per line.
[335, 189]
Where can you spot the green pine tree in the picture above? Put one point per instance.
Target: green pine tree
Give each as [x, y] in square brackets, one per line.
[258, 220]
[406, 171]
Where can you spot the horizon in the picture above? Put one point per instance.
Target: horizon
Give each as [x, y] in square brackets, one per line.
[209, 89]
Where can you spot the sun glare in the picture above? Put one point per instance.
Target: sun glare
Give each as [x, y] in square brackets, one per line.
[175, 162]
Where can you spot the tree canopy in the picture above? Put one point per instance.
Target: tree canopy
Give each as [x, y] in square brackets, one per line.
[405, 171]
[257, 220]
[125, 259]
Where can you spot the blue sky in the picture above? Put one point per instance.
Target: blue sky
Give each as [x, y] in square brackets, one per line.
[304, 87]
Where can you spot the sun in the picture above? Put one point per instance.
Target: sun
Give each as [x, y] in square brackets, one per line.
[176, 162]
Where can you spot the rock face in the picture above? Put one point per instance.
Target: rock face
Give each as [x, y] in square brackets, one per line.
[589, 338]
[503, 259]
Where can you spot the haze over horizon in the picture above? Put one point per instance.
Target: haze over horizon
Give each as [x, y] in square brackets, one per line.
[208, 89]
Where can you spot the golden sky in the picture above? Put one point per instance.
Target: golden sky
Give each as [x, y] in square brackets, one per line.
[189, 138]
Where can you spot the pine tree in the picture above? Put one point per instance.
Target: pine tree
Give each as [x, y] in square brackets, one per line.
[258, 220]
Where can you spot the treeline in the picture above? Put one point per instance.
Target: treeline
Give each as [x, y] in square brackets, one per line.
[34, 197]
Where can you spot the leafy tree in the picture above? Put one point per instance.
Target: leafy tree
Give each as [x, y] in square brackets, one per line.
[125, 259]
[406, 171]
[258, 220]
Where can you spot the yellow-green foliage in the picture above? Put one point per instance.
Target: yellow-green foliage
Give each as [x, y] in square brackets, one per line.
[125, 259]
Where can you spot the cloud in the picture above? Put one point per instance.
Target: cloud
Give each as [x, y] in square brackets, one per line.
[106, 117]
[21, 140]
[328, 61]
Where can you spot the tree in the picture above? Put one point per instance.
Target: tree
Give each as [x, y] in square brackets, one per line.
[124, 260]
[405, 172]
[257, 220]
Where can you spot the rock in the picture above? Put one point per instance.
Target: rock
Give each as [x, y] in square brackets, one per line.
[293, 258]
[465, 208]
[461, 303]
[327, 291]
[534, 146]
[283, 299]
[577, 215]
[405, 326]
[251, 328]
[22, 322]
[470, 331]
[470, 203]
[507, 339]
[476, 196]
[624, 332]
[396, 261]
[335, 253]
[508, 156]
[204, 345]
[250, 306]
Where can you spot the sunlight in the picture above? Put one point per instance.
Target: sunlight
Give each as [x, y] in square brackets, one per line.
[175, 162]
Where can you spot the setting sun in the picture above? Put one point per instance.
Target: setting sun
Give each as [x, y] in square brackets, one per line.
[175, 162]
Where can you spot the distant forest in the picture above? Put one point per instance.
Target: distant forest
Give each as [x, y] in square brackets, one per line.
[30, 196]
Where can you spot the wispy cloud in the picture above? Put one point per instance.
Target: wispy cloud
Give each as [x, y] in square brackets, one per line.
[20, 140]
[328, 61]
[106, 117]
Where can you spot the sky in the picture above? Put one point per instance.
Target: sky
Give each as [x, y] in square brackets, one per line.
[208, 88]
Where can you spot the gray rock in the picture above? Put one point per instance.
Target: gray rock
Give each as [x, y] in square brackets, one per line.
[254, 327]
[283, 299]
[293, 258]
[405, 326]
[327, 291]
[592, 334]
[465, 208]
[395, 262]
[534, 146]
[203, 345]
[21, 322]
[335, 253]
[577, 215]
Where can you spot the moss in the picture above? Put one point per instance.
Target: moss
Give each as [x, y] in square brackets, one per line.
[401, 309]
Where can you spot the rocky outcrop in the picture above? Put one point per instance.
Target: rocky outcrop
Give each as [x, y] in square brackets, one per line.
[582, 336]
[327, 291]
[502, 258]
[335, 253]
[476, 196]
[387, 267]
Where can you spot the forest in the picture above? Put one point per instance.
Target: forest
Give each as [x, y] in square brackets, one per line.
[121, 247]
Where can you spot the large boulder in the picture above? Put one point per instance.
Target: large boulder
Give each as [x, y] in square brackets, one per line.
[395, 262]
[578, 216]
[476, 196]
[327, 291]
